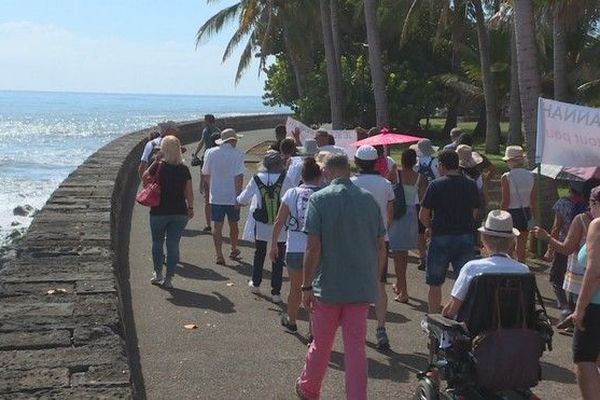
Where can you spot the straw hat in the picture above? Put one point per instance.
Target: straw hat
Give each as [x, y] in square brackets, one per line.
[499, 223]
[272, 162]
[310, 148]
[227, 135]
[321, 158]
[424, 147]
[513, 153]
[467, 158]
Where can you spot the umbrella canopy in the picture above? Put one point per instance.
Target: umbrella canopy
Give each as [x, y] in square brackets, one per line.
[386, 138]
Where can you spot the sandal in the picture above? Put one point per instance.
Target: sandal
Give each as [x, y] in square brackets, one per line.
[401, 299]
[220, 261]
[235, 254]
[395, 289]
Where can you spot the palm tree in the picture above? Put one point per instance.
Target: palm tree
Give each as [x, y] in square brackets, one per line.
[492, 134]
[515, 118]
[334, 77]
[530, 87]
[375, 63]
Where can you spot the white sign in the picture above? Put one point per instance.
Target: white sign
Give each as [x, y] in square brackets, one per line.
[567, 135]
[343, 138]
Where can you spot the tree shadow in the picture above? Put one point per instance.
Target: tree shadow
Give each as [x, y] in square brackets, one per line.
[556, 373]
[216, 302]
[194, 233]
[390, 316]
[192, 271]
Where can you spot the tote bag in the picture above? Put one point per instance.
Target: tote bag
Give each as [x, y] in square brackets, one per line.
[150, 195]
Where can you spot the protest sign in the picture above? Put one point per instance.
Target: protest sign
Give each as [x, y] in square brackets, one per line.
[567, 134]
[343, 138]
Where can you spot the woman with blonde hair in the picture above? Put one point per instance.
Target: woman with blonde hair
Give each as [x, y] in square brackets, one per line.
[168, 220]
[518, 196]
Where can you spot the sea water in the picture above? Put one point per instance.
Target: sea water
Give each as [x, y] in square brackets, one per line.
[46, 135]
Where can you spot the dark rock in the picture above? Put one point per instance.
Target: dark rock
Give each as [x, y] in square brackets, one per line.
[15, 223]
[34, 340]
[40, 378]
[23, 211]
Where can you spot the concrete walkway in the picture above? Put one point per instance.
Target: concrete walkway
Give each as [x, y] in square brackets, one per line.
[239, 350]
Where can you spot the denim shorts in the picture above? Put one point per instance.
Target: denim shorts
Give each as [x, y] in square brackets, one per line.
[446, 249]
[219, 211]
[294, 260]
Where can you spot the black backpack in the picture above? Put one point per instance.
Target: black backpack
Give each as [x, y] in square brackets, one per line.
[270, 199]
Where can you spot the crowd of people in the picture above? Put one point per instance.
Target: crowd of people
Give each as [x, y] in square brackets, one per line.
[333, 225]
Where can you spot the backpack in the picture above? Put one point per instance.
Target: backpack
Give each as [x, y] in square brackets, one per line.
[155, 149]
[427, 171]
[295, 224]
[270, 199]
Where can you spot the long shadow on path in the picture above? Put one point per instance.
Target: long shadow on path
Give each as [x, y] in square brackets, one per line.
[216, 302]
[192, 271]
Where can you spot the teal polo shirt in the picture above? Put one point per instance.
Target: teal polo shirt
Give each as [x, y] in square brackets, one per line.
[348, 221]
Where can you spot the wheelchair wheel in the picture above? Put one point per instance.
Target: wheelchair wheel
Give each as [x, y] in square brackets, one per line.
[426, 390]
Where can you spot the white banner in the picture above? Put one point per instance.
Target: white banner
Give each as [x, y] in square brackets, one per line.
[567, 135]
[343, 138]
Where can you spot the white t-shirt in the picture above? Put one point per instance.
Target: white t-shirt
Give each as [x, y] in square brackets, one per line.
[490, 265]
[223, 164]
[149, 147]
[294, 171]
[333, 149]
[380, 188]
[390, 163]
[251, 195]
[296, 199]
[520, 184]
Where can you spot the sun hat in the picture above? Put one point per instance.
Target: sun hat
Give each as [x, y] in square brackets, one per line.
[321, 158]
[366, 153]
[513, 153]
[272, 162]
[467, 158]
[165, 126]
[499, 223]
[227, 135]
[424, 147]
[310, 148]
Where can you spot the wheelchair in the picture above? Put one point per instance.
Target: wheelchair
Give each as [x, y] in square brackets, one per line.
[493, 302]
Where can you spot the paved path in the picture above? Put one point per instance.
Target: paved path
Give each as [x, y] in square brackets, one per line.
[239, 350]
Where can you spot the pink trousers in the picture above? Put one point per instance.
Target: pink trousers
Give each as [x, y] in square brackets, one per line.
[325, 320]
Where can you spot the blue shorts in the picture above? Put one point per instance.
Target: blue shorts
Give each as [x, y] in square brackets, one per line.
[218, 213]
[294, 260]
[446, 249]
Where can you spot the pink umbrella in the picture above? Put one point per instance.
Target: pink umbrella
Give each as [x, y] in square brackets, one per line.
[386, 138]
[584, 173]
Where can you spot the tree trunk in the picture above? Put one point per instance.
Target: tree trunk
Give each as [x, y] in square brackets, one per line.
[333, 76]
[530, 87]
[292, 56]
[561, 88]
[375, 62]
[451, 117]
[479, 130]
[515, 132]
[335, 31]
[492, 131]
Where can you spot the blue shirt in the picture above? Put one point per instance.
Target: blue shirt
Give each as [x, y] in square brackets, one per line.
[582, 259]
[349, 224]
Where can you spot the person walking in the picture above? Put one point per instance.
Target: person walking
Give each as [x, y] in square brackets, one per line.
[586, 317]
[168, 128]
[224, 172]
[291, 215]
[454, 135]
[449, 210]
[404, 229]
[518, 196]
[264, 191]
[176, 208]
[210, 134]
[369, 179]
[344, 254]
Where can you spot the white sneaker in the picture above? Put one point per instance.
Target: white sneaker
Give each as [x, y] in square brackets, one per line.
[253, 289]
[167, 283]
[276, 299]
[156, 278]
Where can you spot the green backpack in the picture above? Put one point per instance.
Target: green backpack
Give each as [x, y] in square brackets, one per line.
[270, 198]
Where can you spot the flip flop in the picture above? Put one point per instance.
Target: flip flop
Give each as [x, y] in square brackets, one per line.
[235, 254]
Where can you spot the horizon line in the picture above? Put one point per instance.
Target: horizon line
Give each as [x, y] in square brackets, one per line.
[126, 93]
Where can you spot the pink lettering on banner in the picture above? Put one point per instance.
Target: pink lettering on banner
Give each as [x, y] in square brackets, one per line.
[558, 135]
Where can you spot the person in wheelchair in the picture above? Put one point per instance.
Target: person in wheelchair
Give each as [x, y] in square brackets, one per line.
[490, 336]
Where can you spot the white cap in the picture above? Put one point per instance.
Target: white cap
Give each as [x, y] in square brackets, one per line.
[366, 153]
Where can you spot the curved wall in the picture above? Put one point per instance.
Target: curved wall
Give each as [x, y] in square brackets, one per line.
[65, 315]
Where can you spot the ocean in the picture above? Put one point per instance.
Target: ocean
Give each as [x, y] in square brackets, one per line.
[46, 135]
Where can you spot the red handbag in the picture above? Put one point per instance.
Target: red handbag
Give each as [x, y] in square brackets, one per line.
[150, 194]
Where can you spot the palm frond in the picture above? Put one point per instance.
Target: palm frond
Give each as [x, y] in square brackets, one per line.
[245, 59]
[458, 85]
[215, 23]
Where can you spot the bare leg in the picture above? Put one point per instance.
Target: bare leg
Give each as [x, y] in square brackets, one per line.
[435, 299]
[295, 295]
[207, 212]
[588, 379]
[234, 233]
[400, 263]
[218, 239]
[521, 249]
[422, 245]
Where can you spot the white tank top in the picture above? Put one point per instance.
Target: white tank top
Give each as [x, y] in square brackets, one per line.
[520, 184]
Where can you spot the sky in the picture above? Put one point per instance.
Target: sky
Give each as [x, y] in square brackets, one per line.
[117, 46]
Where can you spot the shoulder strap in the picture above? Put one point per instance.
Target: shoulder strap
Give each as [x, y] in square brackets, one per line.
[430, 162]
[281, 178]
[258, 182]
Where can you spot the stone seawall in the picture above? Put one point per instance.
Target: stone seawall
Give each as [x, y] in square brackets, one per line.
[65, 317]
